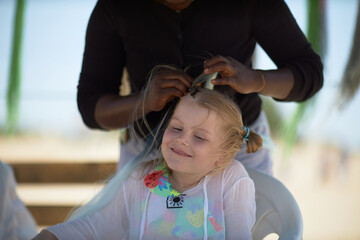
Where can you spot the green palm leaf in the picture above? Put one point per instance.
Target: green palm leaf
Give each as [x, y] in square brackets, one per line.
[351, 78]
[14, 82]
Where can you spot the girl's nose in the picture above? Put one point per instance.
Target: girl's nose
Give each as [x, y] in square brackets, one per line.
[183, 139]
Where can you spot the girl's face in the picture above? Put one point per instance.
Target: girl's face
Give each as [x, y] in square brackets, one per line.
[191, 142]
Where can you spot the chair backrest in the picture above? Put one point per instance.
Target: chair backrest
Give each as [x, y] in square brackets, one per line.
[276, 209]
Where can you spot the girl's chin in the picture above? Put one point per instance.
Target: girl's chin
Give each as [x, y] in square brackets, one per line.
[173, 165]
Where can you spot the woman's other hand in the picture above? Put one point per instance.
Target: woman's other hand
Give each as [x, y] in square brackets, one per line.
[165, 86]
[235, 74]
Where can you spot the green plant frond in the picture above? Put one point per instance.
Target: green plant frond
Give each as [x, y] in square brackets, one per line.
[351, 78]
[14, 81]
[289, 130]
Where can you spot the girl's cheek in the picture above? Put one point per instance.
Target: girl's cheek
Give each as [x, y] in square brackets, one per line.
[173, 132]
[197, 144]
[168, 135]
[165, 137]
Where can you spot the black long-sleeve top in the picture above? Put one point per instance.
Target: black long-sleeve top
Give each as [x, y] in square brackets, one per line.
[137, 35]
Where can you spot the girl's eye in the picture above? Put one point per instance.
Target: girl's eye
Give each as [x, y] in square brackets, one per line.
[199, 137]
[176, 129]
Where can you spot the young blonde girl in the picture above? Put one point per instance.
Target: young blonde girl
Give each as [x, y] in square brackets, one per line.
[193, 190]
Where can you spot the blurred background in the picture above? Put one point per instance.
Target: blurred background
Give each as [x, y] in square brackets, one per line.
[316, 144]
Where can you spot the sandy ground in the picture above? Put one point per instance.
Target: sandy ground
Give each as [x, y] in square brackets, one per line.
[324, 180]
[326, 184]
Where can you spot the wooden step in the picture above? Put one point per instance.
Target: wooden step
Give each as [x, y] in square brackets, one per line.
[49, 215]
[62, 172]
[51, 190]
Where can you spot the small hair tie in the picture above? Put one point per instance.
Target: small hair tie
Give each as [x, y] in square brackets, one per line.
[246, 138]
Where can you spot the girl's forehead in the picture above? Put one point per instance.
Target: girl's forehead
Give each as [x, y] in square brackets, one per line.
[189, 110]
[188, 104]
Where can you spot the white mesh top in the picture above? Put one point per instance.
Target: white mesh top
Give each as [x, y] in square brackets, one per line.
[227, 199]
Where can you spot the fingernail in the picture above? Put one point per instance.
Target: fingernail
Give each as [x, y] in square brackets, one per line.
[206, 70]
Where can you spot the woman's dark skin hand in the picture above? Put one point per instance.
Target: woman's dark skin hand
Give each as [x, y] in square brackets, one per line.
[278, 83]
[114, 111]
[234, 74]
[166, 86]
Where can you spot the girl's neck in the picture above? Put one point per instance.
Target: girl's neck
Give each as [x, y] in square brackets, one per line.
[182, 182]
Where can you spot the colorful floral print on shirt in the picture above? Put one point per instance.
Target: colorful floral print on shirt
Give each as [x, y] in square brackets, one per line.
[158, 182]
[183, 219]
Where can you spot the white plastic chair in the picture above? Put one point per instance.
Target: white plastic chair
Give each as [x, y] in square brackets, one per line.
[276, 209]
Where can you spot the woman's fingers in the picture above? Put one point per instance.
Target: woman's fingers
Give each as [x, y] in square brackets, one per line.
[158, 100]
[166, 86]
[219, 64]
[239, 85]
[175, 83]
[231, 81]
[222, 67]
[211, 61]
[184, 78]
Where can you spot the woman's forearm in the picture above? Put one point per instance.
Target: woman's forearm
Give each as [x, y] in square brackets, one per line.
[114, 112]
[278, 83]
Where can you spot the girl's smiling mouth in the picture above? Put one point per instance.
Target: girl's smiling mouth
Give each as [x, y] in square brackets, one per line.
[180, 152]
